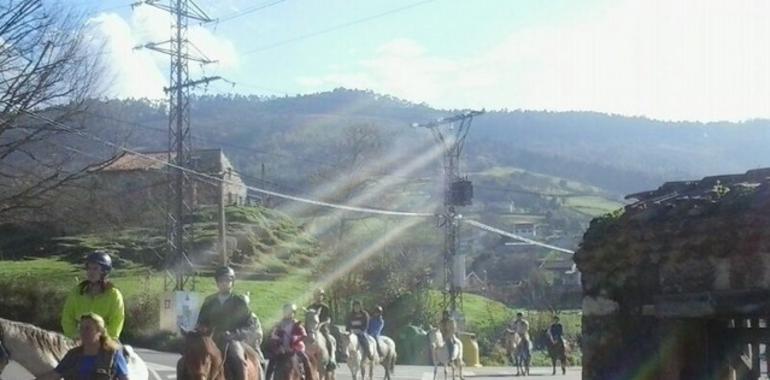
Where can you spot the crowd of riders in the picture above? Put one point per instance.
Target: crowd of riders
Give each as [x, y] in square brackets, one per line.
[94, 314]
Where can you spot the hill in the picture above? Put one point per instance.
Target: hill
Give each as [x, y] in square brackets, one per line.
[301, 138]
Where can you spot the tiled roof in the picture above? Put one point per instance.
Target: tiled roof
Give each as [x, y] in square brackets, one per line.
[205, 160]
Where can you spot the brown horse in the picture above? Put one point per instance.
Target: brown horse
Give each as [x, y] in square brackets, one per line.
[289, 367]
[557, 350]
[202, 360]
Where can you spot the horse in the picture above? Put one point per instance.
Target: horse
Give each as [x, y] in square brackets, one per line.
[387, 354]
[522, 354]
[511, 342]
[557, 350]
[317, 347]
[39, 350]
[356, 359]
[289, 368]
[440, 354]
[202, 359]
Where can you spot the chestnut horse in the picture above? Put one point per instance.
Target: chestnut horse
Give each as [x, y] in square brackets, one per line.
[202, 360]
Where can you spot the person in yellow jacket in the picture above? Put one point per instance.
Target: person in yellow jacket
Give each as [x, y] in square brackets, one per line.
[95, 295]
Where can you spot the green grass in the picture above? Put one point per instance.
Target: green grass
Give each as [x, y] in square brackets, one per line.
[592, 205]
[267, 297]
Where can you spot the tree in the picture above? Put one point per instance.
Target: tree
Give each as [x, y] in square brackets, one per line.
[47, 73]
[355, 154]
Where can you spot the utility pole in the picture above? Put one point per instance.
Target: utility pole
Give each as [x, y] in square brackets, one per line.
[222, 221]
[178, 47]
[457, 192]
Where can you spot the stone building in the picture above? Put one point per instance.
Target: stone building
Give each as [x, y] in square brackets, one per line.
[677, 286]
[133, 186]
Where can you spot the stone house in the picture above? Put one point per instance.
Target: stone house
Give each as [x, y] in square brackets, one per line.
[677, 286]
[132, 186]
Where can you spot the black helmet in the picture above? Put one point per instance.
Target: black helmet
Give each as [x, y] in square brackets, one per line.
[102, 258]
[378, 309]
[224, 271]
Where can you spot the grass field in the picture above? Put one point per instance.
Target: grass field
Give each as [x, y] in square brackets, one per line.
[592, 205]
[267, 297]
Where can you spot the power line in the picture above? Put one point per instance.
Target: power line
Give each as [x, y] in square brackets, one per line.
[515, 236]
[248, 11]
[215, 178]
[286, 196]
[337, 27]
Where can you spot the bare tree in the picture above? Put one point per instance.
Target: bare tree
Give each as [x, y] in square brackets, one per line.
[354, 155]
[48, 71]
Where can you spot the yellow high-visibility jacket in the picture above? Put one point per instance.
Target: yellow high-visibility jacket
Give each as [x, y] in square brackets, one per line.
[108, 304]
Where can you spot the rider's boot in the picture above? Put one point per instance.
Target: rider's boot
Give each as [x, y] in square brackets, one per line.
[332, 365]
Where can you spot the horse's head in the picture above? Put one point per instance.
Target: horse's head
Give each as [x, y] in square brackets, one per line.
[312, 319]
[201, 359]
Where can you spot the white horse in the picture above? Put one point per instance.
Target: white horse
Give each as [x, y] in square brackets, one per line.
[388, 355]
[39, 350]
[356, 359]
[316, 346]
[441, 356]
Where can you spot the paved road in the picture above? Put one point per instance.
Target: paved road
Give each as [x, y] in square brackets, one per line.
[162, 367]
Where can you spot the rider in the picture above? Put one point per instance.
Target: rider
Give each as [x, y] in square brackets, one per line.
[358, 322]
[289, 335]
[376, 324]
[520, 326]
[556, 331]
[228, 316]
[97, 356]
[448, 329]
[96, 294]
[325, 320]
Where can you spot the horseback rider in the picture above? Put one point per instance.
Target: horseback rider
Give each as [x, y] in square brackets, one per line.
[448, 329]
[287, 338]
[325, 321]
[96, 294]
[376, 324]
[520, 326]
[556, 331]
[97, 357]
[358, 322]
[228, 316]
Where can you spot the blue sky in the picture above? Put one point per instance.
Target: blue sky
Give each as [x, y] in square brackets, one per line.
[667, 59]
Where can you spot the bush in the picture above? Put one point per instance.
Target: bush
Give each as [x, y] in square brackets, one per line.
[32, 302]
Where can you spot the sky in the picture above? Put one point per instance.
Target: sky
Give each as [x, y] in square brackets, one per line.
[699, 60]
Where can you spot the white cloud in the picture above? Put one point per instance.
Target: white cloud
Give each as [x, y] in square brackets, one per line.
[143, 72]
[682, 59]
[130, 73]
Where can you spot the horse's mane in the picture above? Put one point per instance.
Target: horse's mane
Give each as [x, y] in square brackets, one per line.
[44, 340]
[198, 346]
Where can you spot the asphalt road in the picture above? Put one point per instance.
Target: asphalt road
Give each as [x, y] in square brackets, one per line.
[162, 366]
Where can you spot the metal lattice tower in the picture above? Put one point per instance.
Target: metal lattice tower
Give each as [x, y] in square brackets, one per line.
[452, 142]
[180, 194]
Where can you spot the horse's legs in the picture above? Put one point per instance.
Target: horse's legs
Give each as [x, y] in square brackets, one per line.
[371, 370]
[553, 362]
[460, 365]
[435, 369]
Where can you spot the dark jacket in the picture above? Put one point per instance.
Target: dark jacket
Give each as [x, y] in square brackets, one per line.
[69, 367]
[325, 314]
[233, 316]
